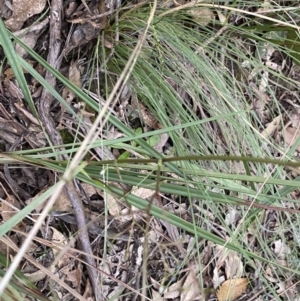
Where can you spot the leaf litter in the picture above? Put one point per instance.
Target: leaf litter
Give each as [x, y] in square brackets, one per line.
[227, 275]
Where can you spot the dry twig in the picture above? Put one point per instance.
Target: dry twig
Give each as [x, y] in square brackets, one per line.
[54, 59]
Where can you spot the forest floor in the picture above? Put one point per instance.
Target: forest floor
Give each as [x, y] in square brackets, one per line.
[214, 86]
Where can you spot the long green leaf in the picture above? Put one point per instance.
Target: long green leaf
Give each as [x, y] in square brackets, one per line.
[14, 62]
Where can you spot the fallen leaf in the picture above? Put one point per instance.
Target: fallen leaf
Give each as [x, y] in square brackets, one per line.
[271, 127]
[161, 143]
[30, 40]
[142, 192]
[234, 265]
[217, 278]
[23, 10]
[191, 287]
[64, 257]
[9, 208]
[156, 296]
[291, 135]
[112, 205]
[232, 289]
[295, 118]
[147, 117]
[202, 16]
[232, 216]
[36, 276]
[62, 202]
[281, 249]
[67, 94]
[72, 276]
[90, 190]
[173, 291]
[74, 77]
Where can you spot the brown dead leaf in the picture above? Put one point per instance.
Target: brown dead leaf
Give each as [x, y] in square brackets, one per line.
[155, 284]
[262, 98]
[162, 142]
[202, 16]
[289, 291]
[63, 203]
[5, 11]
[217, 277]
[271, 127]
[234, 265]
[142, 192]
[64, 257]
[173, 291]
[72, 276]
[172, 231]
[232, 289]
[232, 216]
[281, 249]
[23, 10]
[57, 238]
[90, 190]
[36, 276]
[9, 207]
[108, 44]
[39, 207]
[6, 249]
[291, 135]
[9, 74]
[191, 287]
[68, 95]
[30, 40]
[147, 117]
[74, 77]
[156, 296]
[222, 17]
[88, 291]
[13, 89]
[295, 118]
[113, 205]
